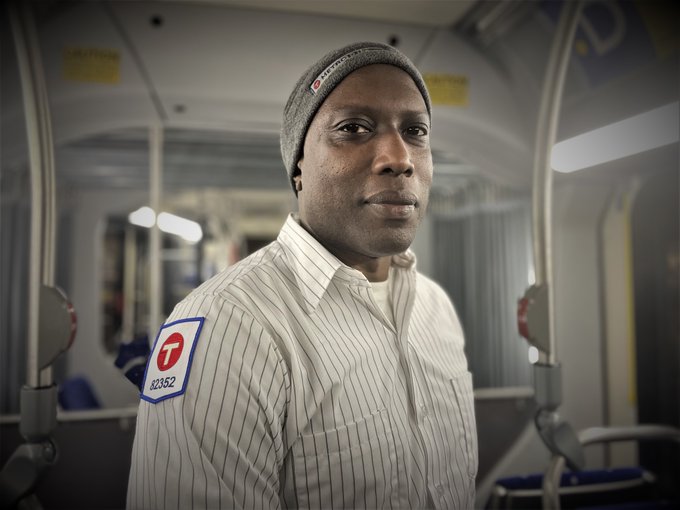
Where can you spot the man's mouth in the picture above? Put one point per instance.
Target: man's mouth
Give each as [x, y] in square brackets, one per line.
[390, 204]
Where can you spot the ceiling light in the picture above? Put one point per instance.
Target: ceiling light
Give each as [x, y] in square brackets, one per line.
[633, 135]
[143, 217]
[189, 230]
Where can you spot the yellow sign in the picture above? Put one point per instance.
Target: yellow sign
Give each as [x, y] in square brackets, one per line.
[92, 65]
[447, 89]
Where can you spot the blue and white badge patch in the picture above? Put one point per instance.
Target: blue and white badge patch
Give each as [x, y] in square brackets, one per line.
[167, 371]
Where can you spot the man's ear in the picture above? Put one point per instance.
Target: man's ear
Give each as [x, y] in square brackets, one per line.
[297, 179]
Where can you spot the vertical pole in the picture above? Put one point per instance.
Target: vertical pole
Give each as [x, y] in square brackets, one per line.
[41, 161]
[129, 284]
[546, 132]
[155, 189]
[50, 190]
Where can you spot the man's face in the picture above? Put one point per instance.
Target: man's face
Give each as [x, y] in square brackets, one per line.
[367, 165]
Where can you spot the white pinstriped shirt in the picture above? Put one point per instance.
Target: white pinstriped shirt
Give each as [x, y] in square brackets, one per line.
[302, 394]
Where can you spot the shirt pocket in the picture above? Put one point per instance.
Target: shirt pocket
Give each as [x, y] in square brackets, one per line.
[346, 467]
[464, 395]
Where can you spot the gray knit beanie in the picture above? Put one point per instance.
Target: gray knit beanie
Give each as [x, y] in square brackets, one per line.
[318, 82]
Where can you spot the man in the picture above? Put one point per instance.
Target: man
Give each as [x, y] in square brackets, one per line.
[322, 371]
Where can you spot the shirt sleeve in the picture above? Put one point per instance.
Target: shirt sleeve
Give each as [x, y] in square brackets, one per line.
[220, 443]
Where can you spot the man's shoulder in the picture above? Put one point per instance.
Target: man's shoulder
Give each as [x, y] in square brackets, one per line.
[251, 274]
[430, 287]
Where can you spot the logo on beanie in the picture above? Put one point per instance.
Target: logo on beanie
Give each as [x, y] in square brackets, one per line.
[318, 81]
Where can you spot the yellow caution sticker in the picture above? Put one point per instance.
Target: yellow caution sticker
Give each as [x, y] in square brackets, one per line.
[92, 65]
[448, 89]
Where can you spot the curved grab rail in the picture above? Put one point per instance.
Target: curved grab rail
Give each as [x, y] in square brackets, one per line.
[535, 313]
[41, 161]
[594, 435]
[542, 186]
[46, 305]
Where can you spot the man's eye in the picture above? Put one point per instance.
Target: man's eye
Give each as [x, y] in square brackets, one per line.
[416, 131]
[353, 127]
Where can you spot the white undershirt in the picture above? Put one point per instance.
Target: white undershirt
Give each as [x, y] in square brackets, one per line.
[381, 293]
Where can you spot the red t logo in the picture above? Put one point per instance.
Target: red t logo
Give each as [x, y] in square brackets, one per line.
[170, 352]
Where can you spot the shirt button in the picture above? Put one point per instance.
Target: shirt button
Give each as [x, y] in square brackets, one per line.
[424, 411]
[440, 490]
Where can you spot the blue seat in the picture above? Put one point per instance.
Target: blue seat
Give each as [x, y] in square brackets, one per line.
[602, 488]
[77, 394]
[132, 358]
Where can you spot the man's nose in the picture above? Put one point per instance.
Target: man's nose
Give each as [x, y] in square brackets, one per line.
[392, 155]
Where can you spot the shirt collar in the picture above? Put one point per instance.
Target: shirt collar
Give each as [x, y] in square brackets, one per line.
[314, 266]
